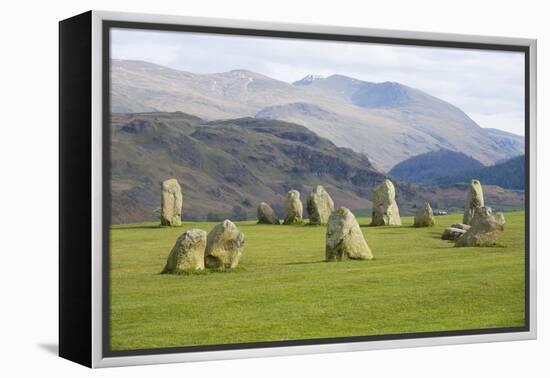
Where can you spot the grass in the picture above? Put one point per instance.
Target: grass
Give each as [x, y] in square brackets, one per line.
[284, 290]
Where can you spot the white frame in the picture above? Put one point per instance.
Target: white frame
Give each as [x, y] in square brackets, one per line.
[97, 158]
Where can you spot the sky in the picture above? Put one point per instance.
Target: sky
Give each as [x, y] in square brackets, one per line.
[487, 85]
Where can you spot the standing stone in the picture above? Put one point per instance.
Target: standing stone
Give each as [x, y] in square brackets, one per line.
[424, 216]
[384, 208]
[319, 206]
[171, 203]
[224, 246]
[188, 252]
[344, 238]
[474, 201]
[266, 215]
[293, 208]
[485, 231]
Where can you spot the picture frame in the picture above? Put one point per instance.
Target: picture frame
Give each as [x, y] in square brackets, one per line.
[85, 189]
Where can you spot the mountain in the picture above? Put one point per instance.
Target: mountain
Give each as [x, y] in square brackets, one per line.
[389, 122]
[431, 166]
[226, 167]
[307, 80]
[509, 175]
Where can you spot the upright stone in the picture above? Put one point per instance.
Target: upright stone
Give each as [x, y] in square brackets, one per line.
[384, 208]
[344, 238]
[319, 206]
[224, 246]
[171, 203]
[474, 201]
[266, 215]
[485, 231]
[187, 253]
[424, 216]
[293, 208]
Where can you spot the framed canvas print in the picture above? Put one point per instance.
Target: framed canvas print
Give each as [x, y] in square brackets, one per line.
[236, 189]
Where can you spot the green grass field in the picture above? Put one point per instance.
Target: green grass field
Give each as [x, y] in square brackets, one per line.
[284, 290]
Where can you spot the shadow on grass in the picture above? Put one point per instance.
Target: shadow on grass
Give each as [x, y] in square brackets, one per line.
[304, 262]
[203, 272]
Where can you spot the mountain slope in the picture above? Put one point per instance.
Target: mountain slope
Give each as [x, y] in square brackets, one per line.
[227, 167]
[431, 166]
[389, 122]
[512, 144]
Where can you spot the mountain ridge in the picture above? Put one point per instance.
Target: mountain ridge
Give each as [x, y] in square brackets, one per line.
[388, 122]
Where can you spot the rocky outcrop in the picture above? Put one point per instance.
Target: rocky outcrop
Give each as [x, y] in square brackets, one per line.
[424, 216]
[474, 201]
[319, 206]
[224, 246]
[266, 215]
[171, 203]
[485, 231]
[188, 253]
[384, 208]
[344, 238]
[293, 208]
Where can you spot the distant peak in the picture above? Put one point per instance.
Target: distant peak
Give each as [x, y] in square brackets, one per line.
[308, 79]
[242, 74]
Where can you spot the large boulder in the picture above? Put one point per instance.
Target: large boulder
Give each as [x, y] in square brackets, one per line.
[452, 233]
[319, 206]
[485, 231]
[188, 252]
[224, 246]
[474, 201]
[424, 216]
[344, 238]
[171, 203]
[266, 215]
[384, 208]
[293, 208]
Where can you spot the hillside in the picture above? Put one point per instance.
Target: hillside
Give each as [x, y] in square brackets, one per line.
[226, 167]
[509, 175]
[507, 141]
[431, 166]
[389, 122]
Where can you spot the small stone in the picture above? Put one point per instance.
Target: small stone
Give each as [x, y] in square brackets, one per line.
[424, 216]
[171, 203]
[319, 206]
[462, 226]
[344, 238]
[224, 246]
[188, 252]
[293, 208]
[384, 208]
[451, 233]
[266, 215]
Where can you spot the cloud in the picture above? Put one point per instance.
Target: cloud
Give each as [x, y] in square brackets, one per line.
[487, 85]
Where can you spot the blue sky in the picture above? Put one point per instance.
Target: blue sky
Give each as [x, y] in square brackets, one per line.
[487, 85]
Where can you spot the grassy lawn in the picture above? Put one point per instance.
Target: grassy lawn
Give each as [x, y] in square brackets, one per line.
[416, 283]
